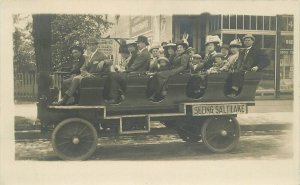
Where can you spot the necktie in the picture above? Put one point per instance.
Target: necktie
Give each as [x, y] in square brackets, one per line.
[246, 53]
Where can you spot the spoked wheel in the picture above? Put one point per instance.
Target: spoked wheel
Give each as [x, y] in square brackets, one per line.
[220, 134]
[189, 133]
[74, 139]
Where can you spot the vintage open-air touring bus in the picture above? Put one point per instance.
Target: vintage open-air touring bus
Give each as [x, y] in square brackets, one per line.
[210, 118]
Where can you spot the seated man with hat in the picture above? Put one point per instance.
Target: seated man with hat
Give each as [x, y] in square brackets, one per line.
[96, 65]
[218, 64]
[250, 59]
[117, 81]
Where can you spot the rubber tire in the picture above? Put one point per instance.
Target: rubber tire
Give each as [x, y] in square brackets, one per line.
[90, 151]
[212, 148]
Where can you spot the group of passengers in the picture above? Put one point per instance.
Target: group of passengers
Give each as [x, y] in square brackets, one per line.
[161, 62]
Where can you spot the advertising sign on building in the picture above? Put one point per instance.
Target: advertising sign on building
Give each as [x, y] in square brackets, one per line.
[106, 46]
[139, 25]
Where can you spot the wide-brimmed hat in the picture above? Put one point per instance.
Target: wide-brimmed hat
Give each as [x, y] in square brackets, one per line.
[249, 36]
[131, 42]
[154, 47]
[218, 55]
[197, 56]
[235, 43]
[79, 48]
[225, 46]
[212, 39]
[170, 45]
[143, 39]
[163, 43]
[92, 40]
[163, 58]
[182, 43]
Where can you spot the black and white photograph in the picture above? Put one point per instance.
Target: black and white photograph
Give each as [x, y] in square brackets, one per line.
[130, 89]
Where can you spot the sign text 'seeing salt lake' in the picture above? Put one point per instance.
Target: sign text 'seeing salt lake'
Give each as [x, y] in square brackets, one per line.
[219, 109]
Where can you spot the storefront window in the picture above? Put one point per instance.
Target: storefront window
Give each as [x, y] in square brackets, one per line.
[240, 22]
[266, 22]
[290, 23]
[227, 38]
[286, 62]
[260, 24]
[268, 81]
[225, 21]
[232, 21]
[253, 22]
[269, 41]
[246, 22]
[273, 23]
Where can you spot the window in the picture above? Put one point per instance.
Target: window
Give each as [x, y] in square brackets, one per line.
[283, 21]
[273, 23]
[227, 38]
[266, 22]
[246, 22]
[258, 41]
[240, 22]
[232, 21]
[269, 41]
[253, 23]
[290, 23]
[260, 24]
[225, 21]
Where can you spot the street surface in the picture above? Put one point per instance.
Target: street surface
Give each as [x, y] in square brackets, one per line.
[259, 145]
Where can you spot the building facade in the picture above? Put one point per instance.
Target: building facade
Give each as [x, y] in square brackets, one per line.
[273, 34]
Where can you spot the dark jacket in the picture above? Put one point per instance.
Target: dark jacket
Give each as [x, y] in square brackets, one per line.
[141, 62]
[132, 59]
[91, 65]
[77, 65]
[255, 57]
[208, 61]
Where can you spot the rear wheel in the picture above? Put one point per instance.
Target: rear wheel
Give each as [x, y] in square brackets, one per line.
[220, 134]
[74, 139]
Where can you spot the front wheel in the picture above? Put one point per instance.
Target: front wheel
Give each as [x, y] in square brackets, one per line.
[74, 139]
[220, 134]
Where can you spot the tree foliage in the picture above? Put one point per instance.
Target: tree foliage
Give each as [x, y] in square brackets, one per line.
[69, 29]
[23, 44]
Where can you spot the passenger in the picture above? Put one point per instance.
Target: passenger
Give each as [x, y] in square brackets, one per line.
[125, 55]
[190, 51]
[179, 65]
[77, 54]
[116, 83]
[154, 90]
[133, 50]
[163, 45]
[218, 64]
[251, 59]
[232, 60]
[141, 62]
[170, 49]
[197, 64]
[225, 51]
[97, 65]
[154, 50]
[211, 45]
[197, 81]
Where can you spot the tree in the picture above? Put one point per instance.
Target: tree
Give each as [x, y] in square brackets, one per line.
[23, 44]
[68, 29]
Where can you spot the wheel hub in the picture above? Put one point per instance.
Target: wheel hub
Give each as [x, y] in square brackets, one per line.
[76, 140]
[223, 132]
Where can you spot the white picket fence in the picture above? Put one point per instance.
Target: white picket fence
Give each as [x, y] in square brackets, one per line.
[25, 86]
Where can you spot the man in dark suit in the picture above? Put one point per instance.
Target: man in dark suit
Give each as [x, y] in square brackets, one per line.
[250, 59]
[96, 65]
[141, 63]
[116, 83]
